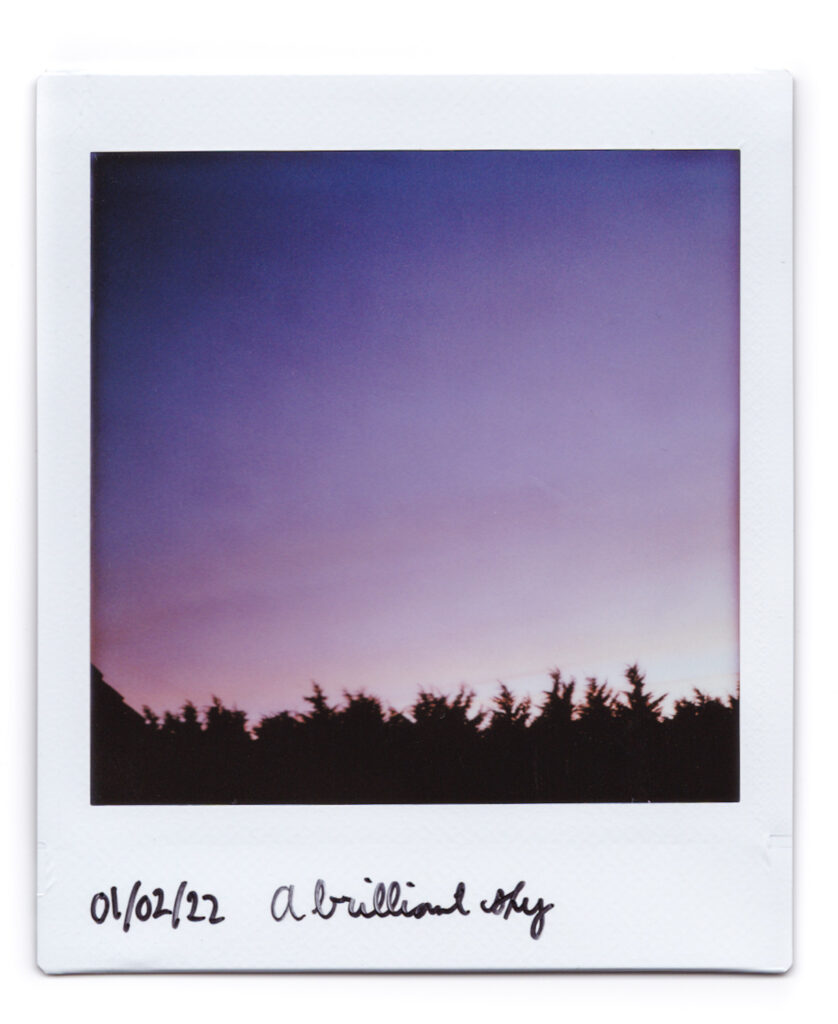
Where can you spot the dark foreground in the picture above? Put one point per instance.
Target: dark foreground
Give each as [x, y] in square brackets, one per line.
[607, 747]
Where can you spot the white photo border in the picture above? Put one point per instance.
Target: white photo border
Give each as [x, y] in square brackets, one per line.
[658, 886]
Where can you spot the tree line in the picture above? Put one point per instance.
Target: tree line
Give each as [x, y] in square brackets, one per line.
[590, 745]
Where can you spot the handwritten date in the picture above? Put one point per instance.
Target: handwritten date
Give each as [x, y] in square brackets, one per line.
[143, 907]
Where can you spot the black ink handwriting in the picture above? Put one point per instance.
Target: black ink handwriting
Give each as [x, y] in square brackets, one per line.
[507, 903]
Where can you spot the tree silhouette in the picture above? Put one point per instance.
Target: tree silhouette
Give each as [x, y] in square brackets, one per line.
[321, 711]
[442, 751]
[640, 715]
[508, 751]
[598, 760]
[552, 743]
[558, 703]
[597, 709]
[639, 706]
[508, 712]
[444, 748]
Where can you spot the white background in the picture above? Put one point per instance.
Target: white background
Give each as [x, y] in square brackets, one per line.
[437, 38]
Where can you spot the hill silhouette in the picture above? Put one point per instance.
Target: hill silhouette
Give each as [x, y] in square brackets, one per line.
[605, 746]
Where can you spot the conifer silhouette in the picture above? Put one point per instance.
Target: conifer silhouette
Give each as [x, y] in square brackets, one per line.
[609, 746]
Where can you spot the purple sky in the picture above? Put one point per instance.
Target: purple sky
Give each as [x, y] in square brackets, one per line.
[402, 420]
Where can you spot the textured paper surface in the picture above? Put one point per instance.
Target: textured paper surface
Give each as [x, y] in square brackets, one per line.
[659, 886]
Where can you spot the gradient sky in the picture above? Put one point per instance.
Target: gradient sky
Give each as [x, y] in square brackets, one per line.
[402, 419]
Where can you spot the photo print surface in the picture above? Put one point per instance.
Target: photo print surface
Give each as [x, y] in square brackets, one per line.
[415, 477]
